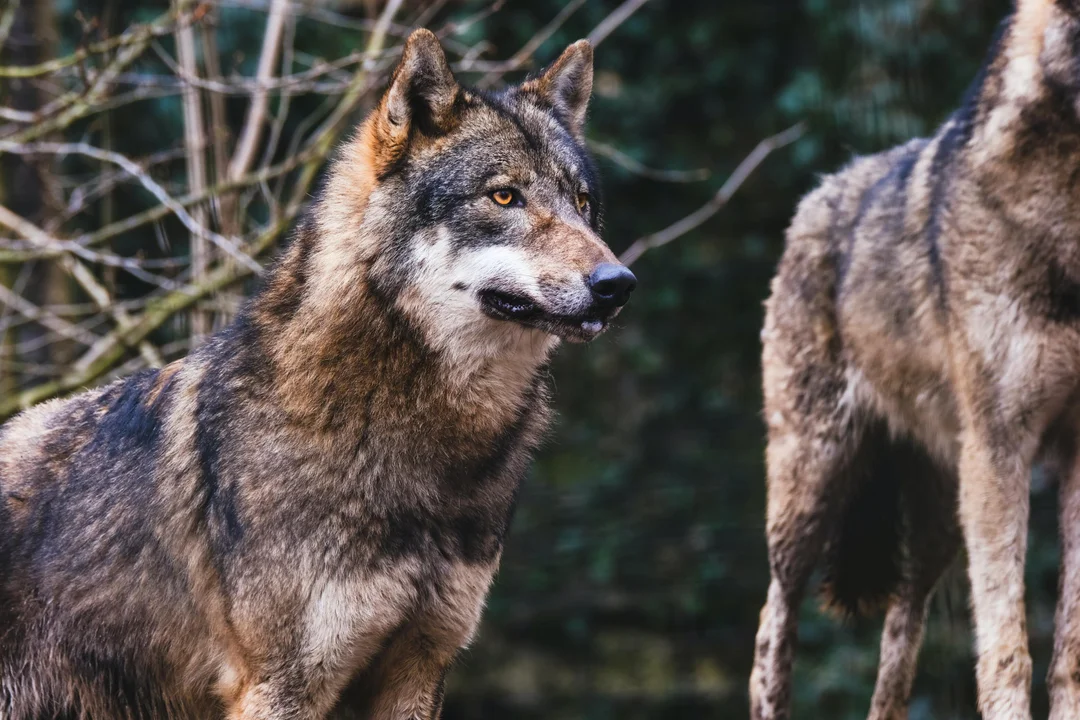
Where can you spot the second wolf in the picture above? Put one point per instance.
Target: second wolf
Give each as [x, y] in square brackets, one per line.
[921, 352]
[303, 517]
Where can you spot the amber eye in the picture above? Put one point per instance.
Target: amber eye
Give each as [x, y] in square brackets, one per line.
[582, 201]
[504, 197]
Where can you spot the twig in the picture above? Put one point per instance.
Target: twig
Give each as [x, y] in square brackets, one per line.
[145, 180]
[304, 81]
[7, 19]
[195, 144]
[82, 276]
[46, 319]
[617, 17]
[529, 48]
[360, 82]
[100, 358]
[253, 124]
[134, 36]
[218, 125]
[718, 201]
[282, 114]
[158, 211]
[628, 163]
[19, 116]
[81, 106]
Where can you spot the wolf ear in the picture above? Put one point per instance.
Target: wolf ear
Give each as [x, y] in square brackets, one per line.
[566, 86]
[422, 91]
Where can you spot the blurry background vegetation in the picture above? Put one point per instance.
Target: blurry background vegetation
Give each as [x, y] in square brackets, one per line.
[636, 568]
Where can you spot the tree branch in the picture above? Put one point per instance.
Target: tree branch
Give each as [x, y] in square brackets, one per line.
[195, 159]
[133, 169]
[82, 276]
[718, 201]
[256, 117]
[614, 20]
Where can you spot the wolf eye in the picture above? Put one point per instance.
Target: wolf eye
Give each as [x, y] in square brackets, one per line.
[582, 201]
[505, 197]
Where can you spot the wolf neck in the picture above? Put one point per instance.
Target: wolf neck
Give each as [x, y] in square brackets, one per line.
[340, 348]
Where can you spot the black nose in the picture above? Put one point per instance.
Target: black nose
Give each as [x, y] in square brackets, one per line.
[611, 285]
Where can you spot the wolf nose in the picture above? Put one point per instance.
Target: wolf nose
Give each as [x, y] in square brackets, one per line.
[611, 285]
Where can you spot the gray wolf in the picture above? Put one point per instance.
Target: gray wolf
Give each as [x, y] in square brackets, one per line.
[302, 518]
[921, 352]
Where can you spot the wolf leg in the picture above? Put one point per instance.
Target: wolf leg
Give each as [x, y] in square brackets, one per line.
[932, 539]
[407, 683]
[273, 699]
[805, 464]
[994, 505]
[1064, 675]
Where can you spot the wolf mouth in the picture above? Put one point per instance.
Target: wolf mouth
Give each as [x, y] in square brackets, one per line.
[518, 308]
[508, 306]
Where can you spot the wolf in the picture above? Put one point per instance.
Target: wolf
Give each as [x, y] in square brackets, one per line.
[921, 353]
[302, 518]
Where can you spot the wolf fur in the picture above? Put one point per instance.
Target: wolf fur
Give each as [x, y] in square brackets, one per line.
[921, 352]
[302, 518]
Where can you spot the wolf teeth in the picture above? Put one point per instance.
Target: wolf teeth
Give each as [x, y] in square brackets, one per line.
[592, 326]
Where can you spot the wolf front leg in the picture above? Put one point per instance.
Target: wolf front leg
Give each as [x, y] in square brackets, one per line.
[406, 682]
[277, 697]
[994, 504]
[1064, 676]
[409, 682]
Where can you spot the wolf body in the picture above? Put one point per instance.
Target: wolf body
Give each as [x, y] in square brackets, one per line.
[302, 518]
[921, 352]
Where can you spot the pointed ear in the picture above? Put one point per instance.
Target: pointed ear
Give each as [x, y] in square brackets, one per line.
[422, 91]
[566, 86]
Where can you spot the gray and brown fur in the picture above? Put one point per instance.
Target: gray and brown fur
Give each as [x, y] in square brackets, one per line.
[302, 519]
[921, 353]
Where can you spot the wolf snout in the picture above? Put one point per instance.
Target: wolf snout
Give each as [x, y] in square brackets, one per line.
[611, 285]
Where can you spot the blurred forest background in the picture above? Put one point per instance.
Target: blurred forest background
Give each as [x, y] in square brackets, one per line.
[636, 568]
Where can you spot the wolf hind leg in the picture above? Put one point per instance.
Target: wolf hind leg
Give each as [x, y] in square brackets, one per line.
[932, 538]
[808, 452]
[1064, 675]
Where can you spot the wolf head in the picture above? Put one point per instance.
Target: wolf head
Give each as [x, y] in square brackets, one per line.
[475, 215]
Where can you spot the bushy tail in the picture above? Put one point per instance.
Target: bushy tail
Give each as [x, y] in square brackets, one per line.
[864, 551]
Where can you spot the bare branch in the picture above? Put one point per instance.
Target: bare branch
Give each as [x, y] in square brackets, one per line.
[81, 274]
[718, 201]
[527, 50]
[80, 105]
[614, 20]
[46, 319]
[195, 144]
[20, 116]
[156, 213]
[218, 126]
[253, 125]
[628, 163]
[135, 36]
[7, 19]
[145, 180]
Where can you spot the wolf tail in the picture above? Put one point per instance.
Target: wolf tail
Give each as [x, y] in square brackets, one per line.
[864, 552]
